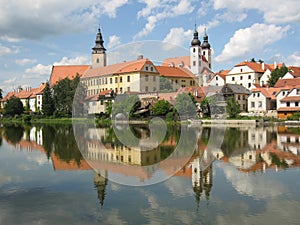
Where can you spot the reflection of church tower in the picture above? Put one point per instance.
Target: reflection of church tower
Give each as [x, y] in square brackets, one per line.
[98, 54]
[206, 51]
[100, 183]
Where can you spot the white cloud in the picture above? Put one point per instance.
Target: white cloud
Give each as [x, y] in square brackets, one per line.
[113, 41]
[293, 60]
[40, 70]
[30, 19]
[23, 62]
[178, 36]
[4, 50]
[251, 40]
[156, 11]
[274, 11]
[80, 60]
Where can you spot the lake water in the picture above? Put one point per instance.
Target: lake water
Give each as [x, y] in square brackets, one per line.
[131, 175]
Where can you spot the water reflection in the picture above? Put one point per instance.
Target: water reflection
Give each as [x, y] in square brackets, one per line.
[247, 150]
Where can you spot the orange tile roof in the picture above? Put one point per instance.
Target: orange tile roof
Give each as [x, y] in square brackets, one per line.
[268, 92]
[290, 99]
[67, 71]
[25, 94]
[170, 97]
[196, 91]
[175, 72]
[123, 67]
[59, 164]
[295, 71]
[289, 109]
[257, 67]
[288, 82]
[222, 73]
[175, 62]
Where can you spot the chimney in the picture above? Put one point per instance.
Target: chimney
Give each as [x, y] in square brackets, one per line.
[263, 66]
[275, 65]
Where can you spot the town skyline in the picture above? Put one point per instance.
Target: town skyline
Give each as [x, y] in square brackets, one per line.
[30, 44]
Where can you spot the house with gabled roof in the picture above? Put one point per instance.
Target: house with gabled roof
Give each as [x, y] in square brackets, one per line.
[238, 92]
[30, 97]
[249, 74]
[219, 78]
[293, 72]
[60, 72]
[261, 100]
[289, 104]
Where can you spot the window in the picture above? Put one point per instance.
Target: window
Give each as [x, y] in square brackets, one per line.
[154, 89]
[241, 70]
[128, 89]
[241, 77]
[216, 77]
[101, 102]
[121, 79]
[194, 49]
[128, 78]
[298, 91]
[203, 52]
[288, 104]
[259, 104]
[249, 85]
[146, 77]
[258, 94]
[121, 90]
[116, 90]
[239, 97]
[183, 81]
[151, 68]
[249, 77]
[194, 63]
[176, 81]
[232, 78]
[191, 83]
[98, 60]
[110, 80]
[296, 104]
[252, 104]
[116, 79]
[146, 88]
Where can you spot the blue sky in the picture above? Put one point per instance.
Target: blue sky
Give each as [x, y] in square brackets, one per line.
[36, 34]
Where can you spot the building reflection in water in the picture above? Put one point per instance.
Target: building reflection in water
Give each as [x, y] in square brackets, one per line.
[249, 149]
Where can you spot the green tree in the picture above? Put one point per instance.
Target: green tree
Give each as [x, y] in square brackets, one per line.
[126, 104]
[1, 93]
[165, 85]
[205, 107]
[185, 106]
[276, 74]
[63, 95]
[161, 108]
[13, 106]
[232, 107]
[47, 101]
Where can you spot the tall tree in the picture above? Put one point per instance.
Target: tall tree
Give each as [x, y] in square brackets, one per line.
[63, 95]
[47, 101]
[276, 74]
[161, 108]
[185, 105]
[13, 106]
[232, 108]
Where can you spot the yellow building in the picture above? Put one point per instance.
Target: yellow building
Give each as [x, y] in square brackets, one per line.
[134, 76]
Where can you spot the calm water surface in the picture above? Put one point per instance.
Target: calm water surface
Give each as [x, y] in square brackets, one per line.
[252, 178]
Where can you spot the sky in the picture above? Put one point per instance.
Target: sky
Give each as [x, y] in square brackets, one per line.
[37, 34]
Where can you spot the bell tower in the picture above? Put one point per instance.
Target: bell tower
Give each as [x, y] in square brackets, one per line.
[196, 56]
[98, 53]
[206, 51]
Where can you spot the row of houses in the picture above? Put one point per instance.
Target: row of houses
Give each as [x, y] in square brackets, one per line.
[246, 81]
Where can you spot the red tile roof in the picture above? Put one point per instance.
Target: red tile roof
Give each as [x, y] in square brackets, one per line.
[175, 72]
[196, 91]
[124, 67]
[175, 62]
[257, 67]
[222, 73]
[291, 99]
[295, 71]
[288, 82]
[25, 94]
[268, 92]
[289, 109]
[69, 71]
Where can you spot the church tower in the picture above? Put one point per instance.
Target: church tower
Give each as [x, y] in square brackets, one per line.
[98, 54]
[206, 51]
[196, 56]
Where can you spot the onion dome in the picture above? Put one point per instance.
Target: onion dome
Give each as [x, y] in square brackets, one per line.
[196, 41]
[205, 44]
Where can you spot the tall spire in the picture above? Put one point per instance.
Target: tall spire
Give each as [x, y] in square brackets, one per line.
[196, 41]
[205, 44]
[99, 48]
